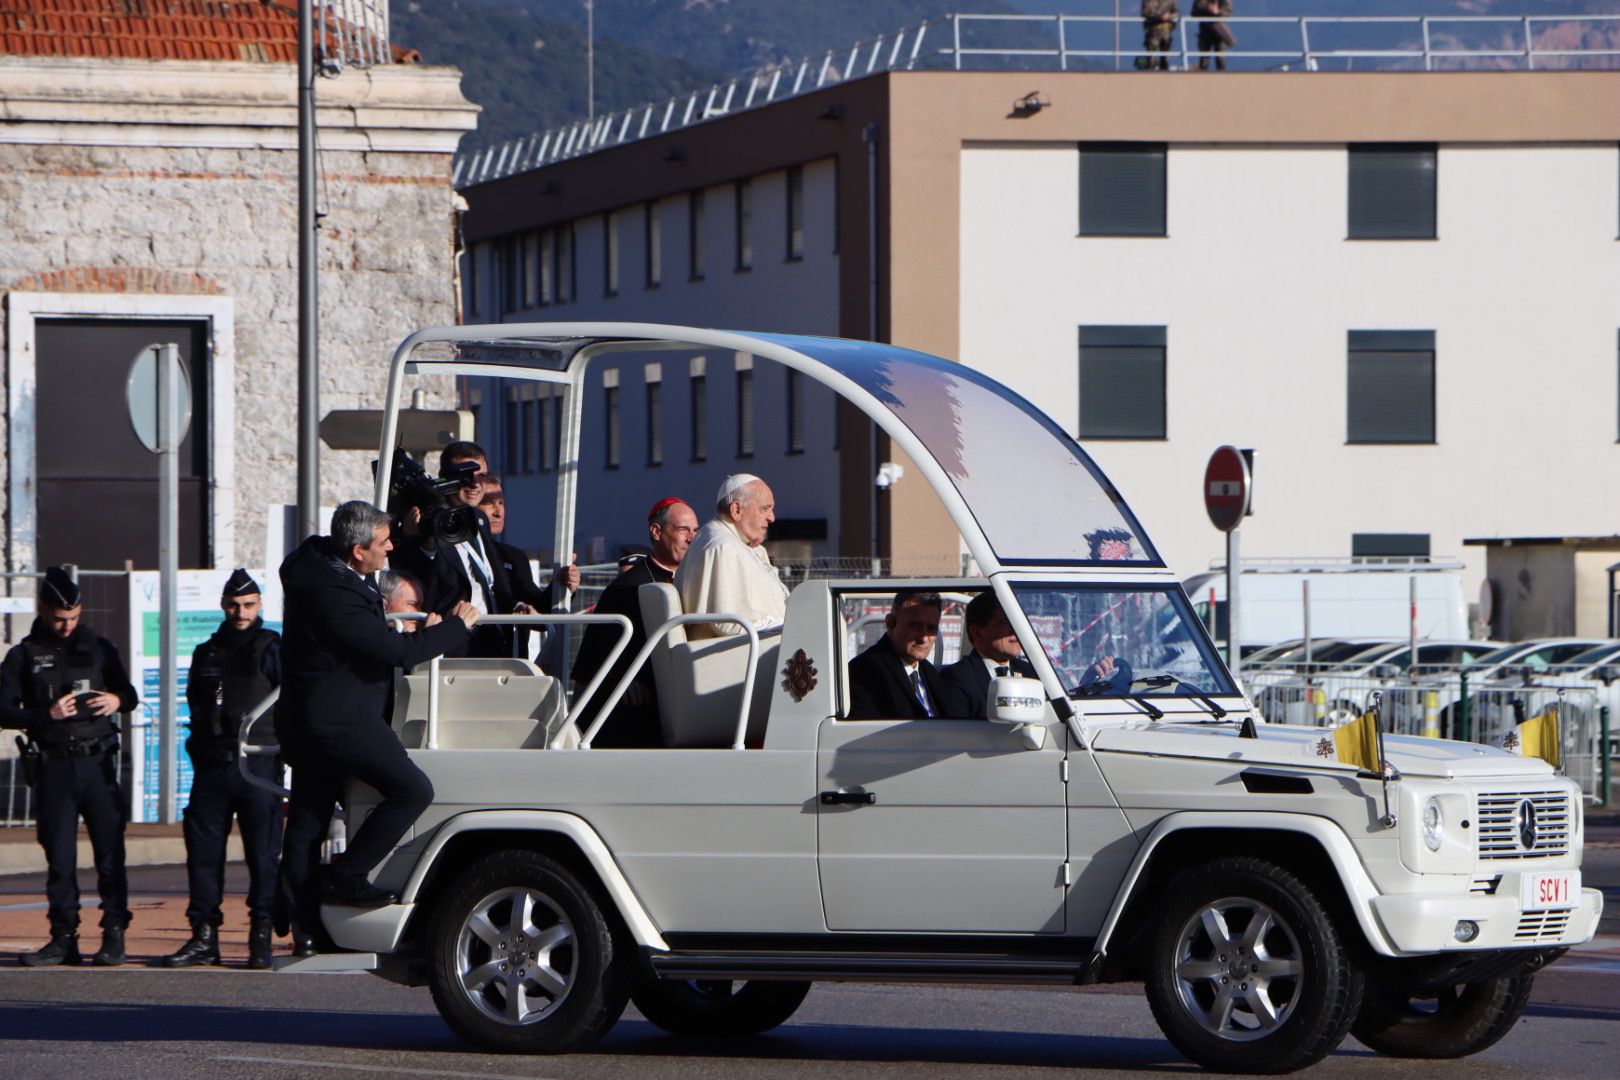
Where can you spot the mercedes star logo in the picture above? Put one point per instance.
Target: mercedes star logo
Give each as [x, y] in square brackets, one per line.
[1526, 818]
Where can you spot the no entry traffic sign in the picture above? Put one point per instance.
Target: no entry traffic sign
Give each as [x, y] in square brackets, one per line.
[1228, 486]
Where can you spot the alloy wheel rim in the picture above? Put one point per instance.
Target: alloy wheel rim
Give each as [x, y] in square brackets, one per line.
[1238, 969]
[516, 956]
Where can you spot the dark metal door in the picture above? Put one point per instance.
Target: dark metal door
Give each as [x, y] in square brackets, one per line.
[98, 486]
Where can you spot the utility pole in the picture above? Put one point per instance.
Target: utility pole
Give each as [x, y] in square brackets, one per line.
[309, 355]
[590, 60]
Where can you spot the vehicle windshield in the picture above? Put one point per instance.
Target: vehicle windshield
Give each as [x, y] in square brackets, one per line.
[1495, 656]
[1117, 641]
[1595, 655]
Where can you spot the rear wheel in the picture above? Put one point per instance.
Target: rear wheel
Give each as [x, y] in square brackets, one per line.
[1454, 1022]
[523, 958]
[717, 1008]
[1247, 971]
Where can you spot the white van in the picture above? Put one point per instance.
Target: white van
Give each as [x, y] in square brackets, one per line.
[1349, 598]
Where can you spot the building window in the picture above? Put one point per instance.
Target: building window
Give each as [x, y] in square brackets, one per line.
[531, 270]
[700, 416]
[548, 265]
[550, 405]
[511, 280]
[745, 225]
[471, 255]
[655, 423]
[694, 225]
[655, 247]
[1122, 189]
[745, 412]
[795, 213]
[512, 443]
[565, 263]
[1392, 191]
[610, 427]
[1389, 545]
[610, 255]
[530, 431]
[795, 412]
[1391, 395]
[1122, 383]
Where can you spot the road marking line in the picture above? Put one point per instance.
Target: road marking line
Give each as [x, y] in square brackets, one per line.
[1602, 967]
[390, 1069]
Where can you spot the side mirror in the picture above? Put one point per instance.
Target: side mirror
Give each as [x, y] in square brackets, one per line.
[1386, 672]
[1608, 673]
[1021, 703]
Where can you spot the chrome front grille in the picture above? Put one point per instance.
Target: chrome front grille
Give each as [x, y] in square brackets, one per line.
[1501, 818]
[1541, 926]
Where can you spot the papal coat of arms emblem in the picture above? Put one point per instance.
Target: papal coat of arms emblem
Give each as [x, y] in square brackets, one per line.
[799, 676]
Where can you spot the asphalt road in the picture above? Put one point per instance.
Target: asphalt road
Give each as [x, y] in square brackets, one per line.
[142, 1022]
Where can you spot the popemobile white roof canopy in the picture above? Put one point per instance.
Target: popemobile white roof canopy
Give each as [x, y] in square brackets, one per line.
[1019, 489]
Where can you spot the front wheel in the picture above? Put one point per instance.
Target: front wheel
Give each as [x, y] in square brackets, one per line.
[1454, 1022]
[716, 1008]
[1247, 971]
[523, 958]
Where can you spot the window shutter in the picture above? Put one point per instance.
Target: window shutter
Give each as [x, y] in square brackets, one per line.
[1391, 386]
[1392, 192]
[1122, 382]
[1122, 189]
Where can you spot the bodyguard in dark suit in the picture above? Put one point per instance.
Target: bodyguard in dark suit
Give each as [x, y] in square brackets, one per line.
[671, 525]
[523, 595]
[893, 680]
[994, 646]
[338, 661]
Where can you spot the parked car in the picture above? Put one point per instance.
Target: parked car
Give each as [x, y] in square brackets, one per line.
[1136, 824]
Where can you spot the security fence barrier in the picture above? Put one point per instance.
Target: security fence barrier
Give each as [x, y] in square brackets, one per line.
[1446, 706]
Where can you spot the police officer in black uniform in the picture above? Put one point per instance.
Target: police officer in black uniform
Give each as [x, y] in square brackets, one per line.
[65, 685]
[231, 673]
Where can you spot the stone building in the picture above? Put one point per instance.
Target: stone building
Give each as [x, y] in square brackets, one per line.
[148, 165]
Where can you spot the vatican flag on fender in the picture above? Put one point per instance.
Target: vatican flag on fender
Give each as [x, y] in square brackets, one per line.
[1536, 737]
[1356, 743]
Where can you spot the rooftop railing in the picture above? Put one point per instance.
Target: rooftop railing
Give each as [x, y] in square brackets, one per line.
[1042, 43]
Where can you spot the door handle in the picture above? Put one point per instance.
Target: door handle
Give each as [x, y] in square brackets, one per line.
[848, 798]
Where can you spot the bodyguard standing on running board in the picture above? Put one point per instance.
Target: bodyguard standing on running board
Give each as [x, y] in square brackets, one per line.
[338, 661]
[65, 686]
[230, 673]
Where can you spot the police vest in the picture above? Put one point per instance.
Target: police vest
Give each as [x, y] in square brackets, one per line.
[57, 667]
[226, 684]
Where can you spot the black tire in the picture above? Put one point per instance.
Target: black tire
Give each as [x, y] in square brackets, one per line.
[1271, 1005]
[1459, 1021]
[565, 944]
[718, 1009]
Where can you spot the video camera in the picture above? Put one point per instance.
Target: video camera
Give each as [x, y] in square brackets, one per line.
[444, 520]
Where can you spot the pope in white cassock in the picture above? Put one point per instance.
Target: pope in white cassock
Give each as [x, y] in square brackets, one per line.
[727, 568]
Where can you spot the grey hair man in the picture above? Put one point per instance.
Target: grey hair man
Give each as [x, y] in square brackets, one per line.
[727, 568]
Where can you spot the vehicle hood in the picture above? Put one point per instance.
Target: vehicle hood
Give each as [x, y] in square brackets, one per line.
[1298, 747]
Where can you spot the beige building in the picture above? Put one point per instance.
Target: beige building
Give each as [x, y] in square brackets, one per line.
[148, 194]
[1400, 288]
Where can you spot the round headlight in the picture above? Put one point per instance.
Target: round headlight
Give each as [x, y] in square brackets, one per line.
[1434, 824]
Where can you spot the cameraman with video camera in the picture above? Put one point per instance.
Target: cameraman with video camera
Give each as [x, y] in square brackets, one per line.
[456, 559]
[65, 686]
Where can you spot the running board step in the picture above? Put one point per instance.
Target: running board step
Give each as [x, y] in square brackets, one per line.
[864, 967]
[335, 961]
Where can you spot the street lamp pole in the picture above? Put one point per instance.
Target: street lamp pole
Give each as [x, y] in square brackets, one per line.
[590, 59]
[309, 385]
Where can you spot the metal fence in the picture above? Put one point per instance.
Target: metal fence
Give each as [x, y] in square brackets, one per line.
[1447, 707]
[1037, 43]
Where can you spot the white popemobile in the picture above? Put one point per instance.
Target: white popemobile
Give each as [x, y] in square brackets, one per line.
[1146, 827]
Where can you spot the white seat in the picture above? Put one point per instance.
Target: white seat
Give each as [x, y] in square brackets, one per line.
[700, 683]
[484, 704]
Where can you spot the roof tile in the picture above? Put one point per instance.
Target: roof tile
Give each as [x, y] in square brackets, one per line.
[258, 30]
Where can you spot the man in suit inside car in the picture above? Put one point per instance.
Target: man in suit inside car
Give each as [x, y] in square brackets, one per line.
[894, 680]
[995, 649]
